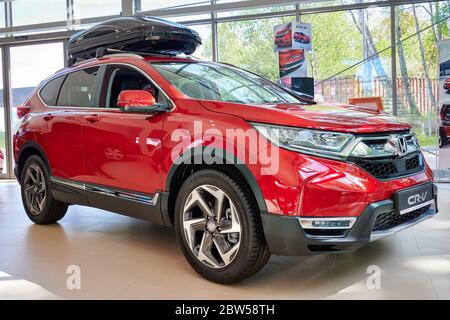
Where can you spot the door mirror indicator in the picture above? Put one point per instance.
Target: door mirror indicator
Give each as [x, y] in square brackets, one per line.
[139, 101]
[135, 98]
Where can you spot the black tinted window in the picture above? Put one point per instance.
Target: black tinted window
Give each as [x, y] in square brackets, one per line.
[49, 92]
[78, 89]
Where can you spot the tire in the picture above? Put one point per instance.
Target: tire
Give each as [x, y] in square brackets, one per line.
[242, 253]
[37, 198]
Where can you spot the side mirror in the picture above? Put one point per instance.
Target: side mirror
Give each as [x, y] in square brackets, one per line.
[138, 101]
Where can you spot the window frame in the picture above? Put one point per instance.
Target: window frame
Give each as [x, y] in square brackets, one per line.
[103, 85]
[99, 81]
[65, 75]
[45, 84]
[108, 77]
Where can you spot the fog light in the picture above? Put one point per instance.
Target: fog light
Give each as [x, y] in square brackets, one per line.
[327, 223]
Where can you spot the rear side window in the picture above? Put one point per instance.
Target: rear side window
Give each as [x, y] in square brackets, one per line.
[78, 89]
[49, 93]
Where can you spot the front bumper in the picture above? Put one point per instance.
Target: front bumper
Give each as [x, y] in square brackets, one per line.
[285, 236]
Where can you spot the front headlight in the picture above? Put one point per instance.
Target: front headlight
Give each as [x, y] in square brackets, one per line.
[306, 140]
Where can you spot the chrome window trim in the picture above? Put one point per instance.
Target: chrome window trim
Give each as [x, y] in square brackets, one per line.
[110, 192]
[65, 74]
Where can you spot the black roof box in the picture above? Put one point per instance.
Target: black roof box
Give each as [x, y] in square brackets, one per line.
[135, 34]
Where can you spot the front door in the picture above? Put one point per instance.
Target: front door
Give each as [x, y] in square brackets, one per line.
[123, 150]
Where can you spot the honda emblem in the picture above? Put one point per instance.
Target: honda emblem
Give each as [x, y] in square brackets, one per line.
[399, 142]
[402, 145]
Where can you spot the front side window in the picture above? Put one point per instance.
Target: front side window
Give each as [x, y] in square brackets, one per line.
[213, 81]
[78, 90]
[120, 78]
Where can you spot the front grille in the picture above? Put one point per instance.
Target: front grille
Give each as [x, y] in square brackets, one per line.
[412, 163]
[391, 219]
[392, 168]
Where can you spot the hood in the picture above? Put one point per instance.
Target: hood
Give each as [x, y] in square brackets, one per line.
[330, 117]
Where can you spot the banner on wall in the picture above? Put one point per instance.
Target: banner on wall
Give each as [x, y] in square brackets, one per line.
[444, 103]
[293, 35]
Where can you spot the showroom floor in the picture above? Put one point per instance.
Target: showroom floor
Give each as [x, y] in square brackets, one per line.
[123, 258]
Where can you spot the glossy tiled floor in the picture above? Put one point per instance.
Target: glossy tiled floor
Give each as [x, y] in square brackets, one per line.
[123, 258]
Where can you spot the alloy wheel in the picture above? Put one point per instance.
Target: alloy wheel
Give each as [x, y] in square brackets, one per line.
[211, 226]
[35, 189]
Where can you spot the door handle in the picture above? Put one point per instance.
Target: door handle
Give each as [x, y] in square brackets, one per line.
[92, 118]
[48, 117]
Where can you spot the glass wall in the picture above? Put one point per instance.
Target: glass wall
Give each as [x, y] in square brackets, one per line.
[205, 50]
[96, 8]
[163, 4]
[277, 8]
[31, 11]
[249, 45]
[328, 3]
[417, 65]
[3, 166]
[351, 54]
[2, 15]
[28, 70]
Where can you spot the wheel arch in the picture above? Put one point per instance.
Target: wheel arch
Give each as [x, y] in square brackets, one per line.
[186, 165]
[29, 149]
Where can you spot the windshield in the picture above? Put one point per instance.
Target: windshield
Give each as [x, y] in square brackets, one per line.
[213, 81]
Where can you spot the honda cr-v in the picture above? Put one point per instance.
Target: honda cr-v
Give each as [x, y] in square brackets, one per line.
[241, 167]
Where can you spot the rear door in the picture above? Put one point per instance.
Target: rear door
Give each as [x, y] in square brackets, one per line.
[67, 98]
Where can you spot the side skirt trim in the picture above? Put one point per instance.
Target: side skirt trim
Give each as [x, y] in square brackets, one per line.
[124, 195]
[131, 204]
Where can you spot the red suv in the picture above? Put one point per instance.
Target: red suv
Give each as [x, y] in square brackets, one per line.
[444, 128]
[241, 167]
[447, 85]
[283, 38]
[302, 38]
